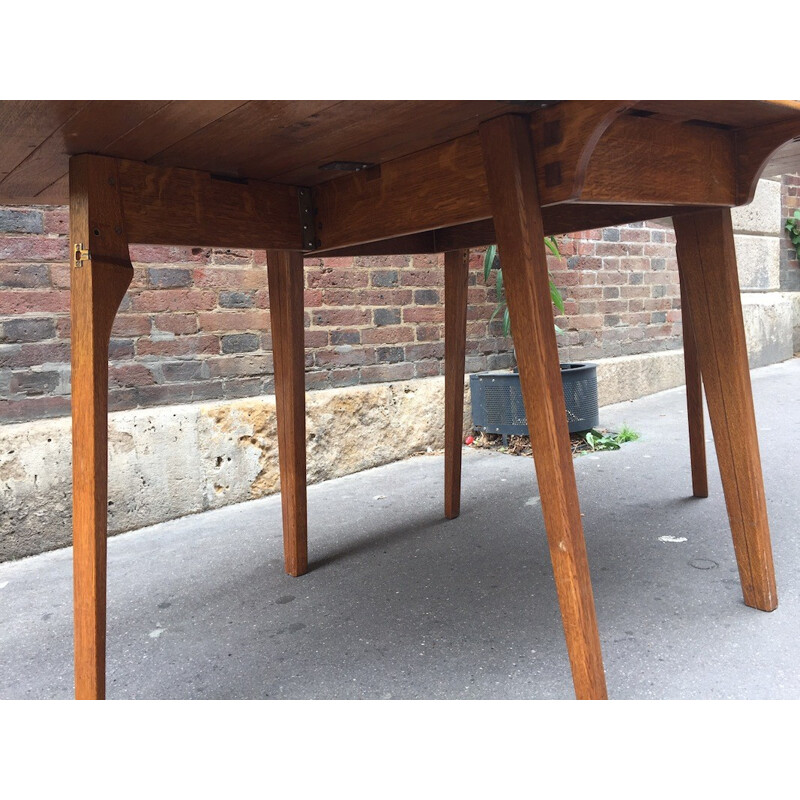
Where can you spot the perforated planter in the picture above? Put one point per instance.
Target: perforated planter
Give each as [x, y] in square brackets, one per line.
[497, 405]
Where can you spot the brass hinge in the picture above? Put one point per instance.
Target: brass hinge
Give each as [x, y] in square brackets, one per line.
[81, 254]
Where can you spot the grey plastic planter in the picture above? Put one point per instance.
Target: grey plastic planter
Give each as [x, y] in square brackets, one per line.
[497, 405]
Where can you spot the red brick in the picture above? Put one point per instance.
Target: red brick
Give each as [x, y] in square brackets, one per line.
[325, 317]
[179, 346]
[59, 276]
[432, 333]
[232, 256]
[25, 276]
[426, 277]
[22, 301]
[423, 314]
[56, 220]
[176, 323]
[585, 321]
[230, 278]
[31, 355]
[426, 369]
[379, 262]
[337, 278]
[388, 334]
[347, 358]
[246, 320]
[311, 298]
[123, 375]
[312, 339]
[383, 297]
[239, 365]
[380, 373]
[131, 325]
[674, 315]
[174, 300]
[163, 254]
[33, 248]
[634, 235]
[338, 297]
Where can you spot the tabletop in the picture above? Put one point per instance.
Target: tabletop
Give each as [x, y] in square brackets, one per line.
[358, 152]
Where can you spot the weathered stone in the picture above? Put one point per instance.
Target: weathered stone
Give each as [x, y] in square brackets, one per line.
[758, 260]
[794, 299]
[176, 460]
[763, 215]
[768, 327]
[629, 377]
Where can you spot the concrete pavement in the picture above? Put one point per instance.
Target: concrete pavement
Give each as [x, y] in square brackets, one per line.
[401, 603]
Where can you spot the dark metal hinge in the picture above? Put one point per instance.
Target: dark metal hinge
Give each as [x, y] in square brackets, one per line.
[307, 218]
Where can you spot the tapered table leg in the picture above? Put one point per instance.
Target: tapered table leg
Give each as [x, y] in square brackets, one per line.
[285, 276]
[694, 400]
[509, 163]
[456, 277]
[100, 273]
[708, 268]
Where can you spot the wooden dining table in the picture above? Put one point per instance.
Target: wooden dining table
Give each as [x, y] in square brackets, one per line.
[301, 178]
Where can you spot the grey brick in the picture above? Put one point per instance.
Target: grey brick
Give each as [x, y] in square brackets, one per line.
[236, 299]
[19, 221]
[240, 343]
[345, 337]
[178, 371]
[34, 383]
[386, 316]
[169, 278]
[610, 235]
[385, 278]
[389, 355]
[426, 297]
[28, 330]
[26, 276]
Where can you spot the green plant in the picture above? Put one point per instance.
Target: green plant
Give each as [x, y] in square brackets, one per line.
[793, 227]
[597, 440]
[491, 261]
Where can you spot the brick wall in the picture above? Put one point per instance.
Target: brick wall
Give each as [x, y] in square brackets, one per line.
[195, 322]
[789, 265]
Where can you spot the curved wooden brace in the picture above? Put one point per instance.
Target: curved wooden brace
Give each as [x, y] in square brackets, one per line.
[756, 149]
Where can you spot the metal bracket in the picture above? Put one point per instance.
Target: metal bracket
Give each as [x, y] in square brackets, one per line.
[307, 218]
[81, 254]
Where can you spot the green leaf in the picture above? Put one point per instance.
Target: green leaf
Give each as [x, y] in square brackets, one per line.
[496, 312]
[555, 296]
[499, 284]
[552, 246]
[488, 260]
[506, 323]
